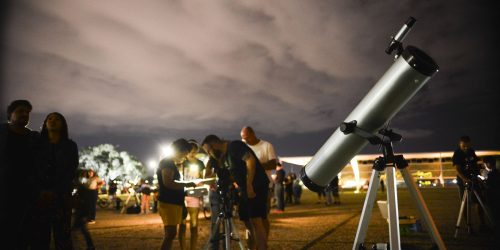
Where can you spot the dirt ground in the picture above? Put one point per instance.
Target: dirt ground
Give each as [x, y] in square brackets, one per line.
[305, 226]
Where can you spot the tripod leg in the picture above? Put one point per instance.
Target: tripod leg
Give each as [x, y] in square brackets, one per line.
[464, 199]
[467, 211]
[367, 210]
[486, 211]
[422, 208]
[234, 232]
[227, 234]
[392, 202]
[214, 236]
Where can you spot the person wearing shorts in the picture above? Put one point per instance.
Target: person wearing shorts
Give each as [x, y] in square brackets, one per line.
[246, 170]
[171, 193]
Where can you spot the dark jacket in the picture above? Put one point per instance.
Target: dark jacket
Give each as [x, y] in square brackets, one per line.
[56, 166]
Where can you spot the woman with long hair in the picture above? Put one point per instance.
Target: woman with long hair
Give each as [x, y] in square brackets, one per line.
[56, 162]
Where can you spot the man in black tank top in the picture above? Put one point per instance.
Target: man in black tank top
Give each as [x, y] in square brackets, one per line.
[249, 175]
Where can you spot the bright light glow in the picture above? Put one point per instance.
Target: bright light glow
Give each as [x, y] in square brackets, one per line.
[152, 164]
[353, 184]
[193, 167]
[166, 151]
[355, 170]
[454, 181]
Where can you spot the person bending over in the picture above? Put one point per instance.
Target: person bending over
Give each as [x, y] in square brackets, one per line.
[251, 178]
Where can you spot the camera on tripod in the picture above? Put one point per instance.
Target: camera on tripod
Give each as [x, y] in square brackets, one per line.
[225, 186]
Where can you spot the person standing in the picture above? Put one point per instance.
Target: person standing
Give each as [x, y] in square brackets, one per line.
[94, 185]
[112, 194]
[145, 195]
[192, 169]
[56, 162]
[214, 199]
[332, 192]
[465, 162]
[289, 188]
[82, 209]
[17, 159]
[171, 191]
[297, 190]
[252, 181]
[266, 156]
[279, 190]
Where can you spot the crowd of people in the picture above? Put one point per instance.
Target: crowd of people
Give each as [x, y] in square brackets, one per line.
[48, 210]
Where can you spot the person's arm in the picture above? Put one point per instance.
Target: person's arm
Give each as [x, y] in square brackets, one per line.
[168, 180]
[460, 174]
[456, 164]
[269, 165]
[250, 164]
[209, 172]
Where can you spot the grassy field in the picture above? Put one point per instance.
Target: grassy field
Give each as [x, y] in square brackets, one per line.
[306, 226]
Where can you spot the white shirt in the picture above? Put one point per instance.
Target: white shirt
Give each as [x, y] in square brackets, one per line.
[264, 152]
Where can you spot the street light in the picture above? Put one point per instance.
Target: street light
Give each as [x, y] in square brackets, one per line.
[152, 164]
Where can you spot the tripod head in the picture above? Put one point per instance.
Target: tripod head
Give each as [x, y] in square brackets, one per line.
[388, 136]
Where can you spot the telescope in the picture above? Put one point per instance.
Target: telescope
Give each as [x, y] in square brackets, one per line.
[410, 71]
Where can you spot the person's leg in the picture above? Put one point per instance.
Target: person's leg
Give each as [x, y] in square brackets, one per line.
[277, 192]
[182, 235]
[336, 197]
[87, 237]
[93, 204]
[193, 226]
[143, 203]
[171, 216]
[213, 197]
[62, 225]
[170, 232]
[329, 198]
[251, 235]
[282, 198]
[260, 234]
[41, 236]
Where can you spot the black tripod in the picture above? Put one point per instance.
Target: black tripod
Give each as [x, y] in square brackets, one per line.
[466, 201]
[229, 231]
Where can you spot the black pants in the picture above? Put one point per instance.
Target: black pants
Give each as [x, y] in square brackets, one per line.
[94, 195]
[53, 218]
[82, 213]
[279, 193]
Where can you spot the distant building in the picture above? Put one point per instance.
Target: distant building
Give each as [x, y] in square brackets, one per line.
[428, 169]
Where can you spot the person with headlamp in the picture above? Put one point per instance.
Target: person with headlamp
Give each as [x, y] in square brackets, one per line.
[171, 191]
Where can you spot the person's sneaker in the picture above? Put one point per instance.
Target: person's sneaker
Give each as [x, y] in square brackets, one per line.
[91, 222]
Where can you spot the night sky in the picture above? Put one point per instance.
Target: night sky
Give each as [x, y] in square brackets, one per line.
[141, 73]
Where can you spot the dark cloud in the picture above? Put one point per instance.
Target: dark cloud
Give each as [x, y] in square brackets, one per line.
[122, 71]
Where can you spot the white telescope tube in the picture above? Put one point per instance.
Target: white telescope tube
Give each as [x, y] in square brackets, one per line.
[391, 93]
